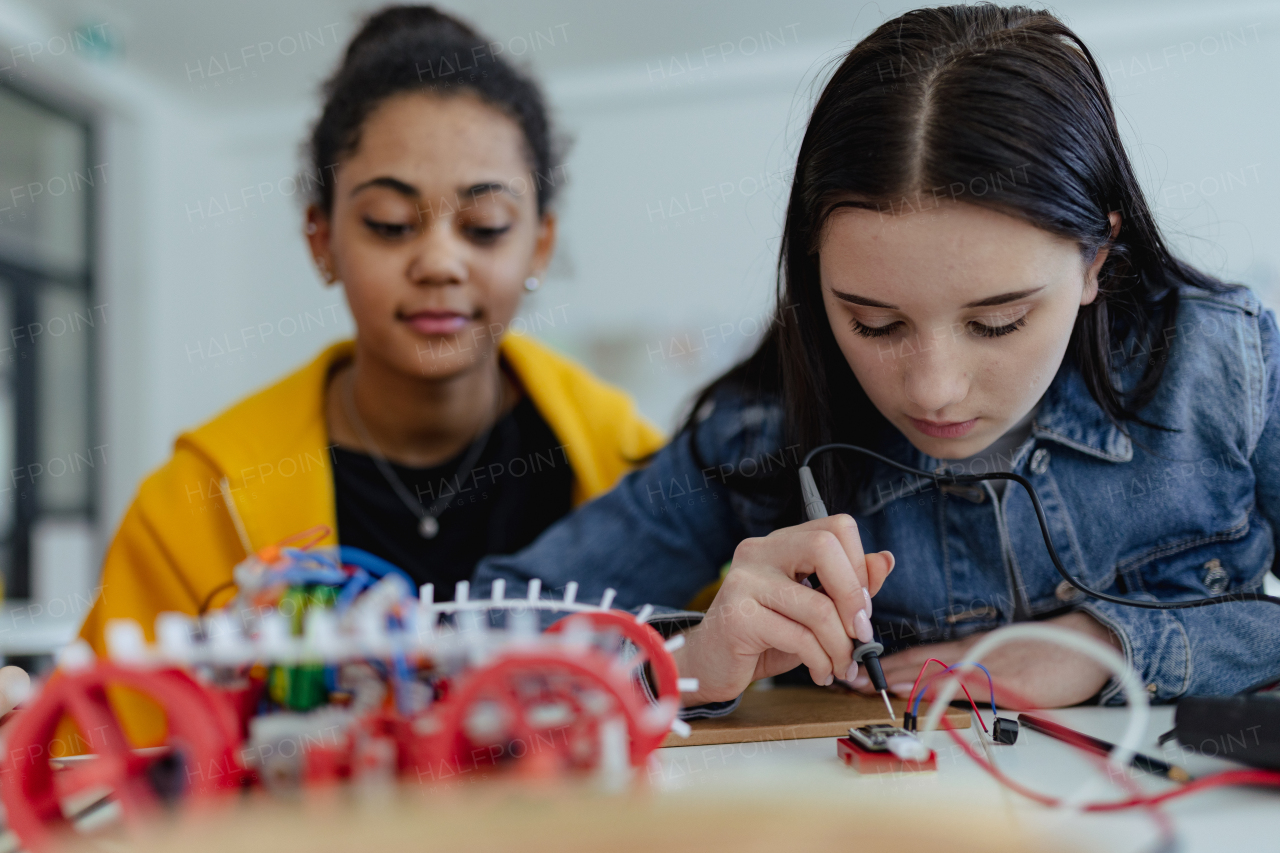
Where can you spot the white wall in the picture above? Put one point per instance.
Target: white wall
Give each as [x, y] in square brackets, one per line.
[650, 292]
[677, 180]
[1199, 103]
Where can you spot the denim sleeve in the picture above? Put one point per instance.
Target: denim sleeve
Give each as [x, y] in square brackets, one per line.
[1266, 455]
[1226, 648]
[1207, 651]
[658, 537]
[668, 622]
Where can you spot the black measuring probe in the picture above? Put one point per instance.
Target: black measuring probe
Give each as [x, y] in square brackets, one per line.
[866, 654]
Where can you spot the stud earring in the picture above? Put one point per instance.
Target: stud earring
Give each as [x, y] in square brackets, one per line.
[311, 228]
[531, 283]
[324, 269]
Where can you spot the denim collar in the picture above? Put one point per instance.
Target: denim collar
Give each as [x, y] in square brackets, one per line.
[1068, 415]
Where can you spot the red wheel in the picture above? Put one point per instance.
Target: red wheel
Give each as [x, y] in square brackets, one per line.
[200, 758]
[641, 635]
[549, 708]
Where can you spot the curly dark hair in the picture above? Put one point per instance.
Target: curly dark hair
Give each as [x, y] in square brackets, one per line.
[421, 49]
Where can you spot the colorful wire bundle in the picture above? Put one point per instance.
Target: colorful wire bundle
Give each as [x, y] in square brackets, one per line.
[913, 700]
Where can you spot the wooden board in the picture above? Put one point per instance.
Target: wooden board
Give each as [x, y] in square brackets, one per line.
[788, 713]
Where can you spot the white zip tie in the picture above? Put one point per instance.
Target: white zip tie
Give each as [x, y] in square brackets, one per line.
[461, 591]
[607, 601]
[681, 728]
[676, 642]
[570, 592]
[687, 685]
[499, 589]
[535, 589]
[644, 614]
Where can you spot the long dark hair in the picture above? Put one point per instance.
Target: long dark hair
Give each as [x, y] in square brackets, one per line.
[1003, 107]
[421, 49]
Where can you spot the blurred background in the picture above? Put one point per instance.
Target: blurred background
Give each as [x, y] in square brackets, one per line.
[152, 266]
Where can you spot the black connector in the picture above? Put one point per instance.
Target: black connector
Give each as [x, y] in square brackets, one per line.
[871, 663]
[1005, 731]
[909, 721]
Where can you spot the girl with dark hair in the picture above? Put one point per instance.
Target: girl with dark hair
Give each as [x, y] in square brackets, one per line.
[970, 281]
[435, 437]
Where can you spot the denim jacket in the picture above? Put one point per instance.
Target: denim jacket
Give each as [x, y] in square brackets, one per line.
[1181, 513]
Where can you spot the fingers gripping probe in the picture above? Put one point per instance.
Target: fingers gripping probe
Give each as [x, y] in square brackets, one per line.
[867, 654]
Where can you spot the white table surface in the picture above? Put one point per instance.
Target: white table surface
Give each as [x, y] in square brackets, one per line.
[1235, 819]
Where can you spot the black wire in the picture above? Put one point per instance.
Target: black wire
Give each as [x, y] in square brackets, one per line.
[943, 478]
[208, 599]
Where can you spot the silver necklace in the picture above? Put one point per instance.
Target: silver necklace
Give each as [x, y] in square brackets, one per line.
[428, 518]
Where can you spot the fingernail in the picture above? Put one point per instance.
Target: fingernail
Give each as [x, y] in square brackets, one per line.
[862, 627]
[851, 674]
[892, 562]
[830, 680]
[902, 690]
[862, 682]
[866, 596]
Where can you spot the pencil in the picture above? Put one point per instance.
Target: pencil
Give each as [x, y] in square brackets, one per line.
[1101, 747]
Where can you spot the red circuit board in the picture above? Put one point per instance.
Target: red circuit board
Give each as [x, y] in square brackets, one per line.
[864, 761]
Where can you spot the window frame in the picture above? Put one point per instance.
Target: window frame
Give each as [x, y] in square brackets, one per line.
[26, 277]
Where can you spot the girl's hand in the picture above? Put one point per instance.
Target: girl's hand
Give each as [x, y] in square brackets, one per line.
[763, 621]
[1029, 674]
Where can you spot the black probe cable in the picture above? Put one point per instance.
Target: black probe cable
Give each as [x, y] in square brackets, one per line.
[869, 653]
[809, 490]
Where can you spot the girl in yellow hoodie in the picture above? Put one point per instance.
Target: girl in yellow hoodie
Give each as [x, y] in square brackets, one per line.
[435, 437]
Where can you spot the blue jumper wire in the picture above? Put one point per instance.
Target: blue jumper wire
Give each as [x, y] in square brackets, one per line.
[991, 689]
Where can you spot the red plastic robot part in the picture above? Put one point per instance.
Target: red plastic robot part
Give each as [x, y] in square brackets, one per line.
[666, 678]
[200, 759]
[556, 710]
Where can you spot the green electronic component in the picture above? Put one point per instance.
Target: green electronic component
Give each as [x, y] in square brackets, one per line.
[298, 688]
[306, 687]
[293, 605]
[322, 596]
[302, 687]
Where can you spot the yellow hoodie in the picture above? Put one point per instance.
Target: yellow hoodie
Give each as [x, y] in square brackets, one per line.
[269, 454]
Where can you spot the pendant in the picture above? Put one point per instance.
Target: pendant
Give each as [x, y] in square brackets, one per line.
[428, 527]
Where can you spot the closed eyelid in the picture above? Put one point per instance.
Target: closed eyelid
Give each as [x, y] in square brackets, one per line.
[1008, 315]
[870, 315]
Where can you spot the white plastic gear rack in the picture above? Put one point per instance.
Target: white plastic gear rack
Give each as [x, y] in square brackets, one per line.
[226, 643]
[497, 600]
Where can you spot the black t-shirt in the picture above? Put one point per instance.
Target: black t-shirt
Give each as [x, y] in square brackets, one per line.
[520, 485]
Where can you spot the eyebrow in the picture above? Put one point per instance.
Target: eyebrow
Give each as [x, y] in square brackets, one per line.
[409, 190]
[394, 184]
[1001, 299]
[482, 189]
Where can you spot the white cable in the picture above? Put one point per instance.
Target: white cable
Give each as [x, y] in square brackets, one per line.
[224, 485]
[1139, 711]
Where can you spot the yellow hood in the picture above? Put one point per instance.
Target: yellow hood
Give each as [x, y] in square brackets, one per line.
[178, 543]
